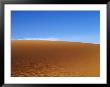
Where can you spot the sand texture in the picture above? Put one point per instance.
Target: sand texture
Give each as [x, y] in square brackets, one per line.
[35, 58]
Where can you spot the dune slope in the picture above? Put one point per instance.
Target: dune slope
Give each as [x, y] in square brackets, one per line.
[54, 58]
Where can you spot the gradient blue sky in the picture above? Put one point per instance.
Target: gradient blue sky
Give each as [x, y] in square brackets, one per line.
[75, 26]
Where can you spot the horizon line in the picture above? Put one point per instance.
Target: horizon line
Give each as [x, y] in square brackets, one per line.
[55, 41]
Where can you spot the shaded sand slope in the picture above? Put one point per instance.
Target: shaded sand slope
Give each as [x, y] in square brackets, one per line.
[54, 58]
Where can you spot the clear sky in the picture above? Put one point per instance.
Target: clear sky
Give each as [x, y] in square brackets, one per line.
[75, 26]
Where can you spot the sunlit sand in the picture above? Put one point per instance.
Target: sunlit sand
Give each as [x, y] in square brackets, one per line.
[38, 58]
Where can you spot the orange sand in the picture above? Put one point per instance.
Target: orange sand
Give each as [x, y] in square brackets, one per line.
[54, 58]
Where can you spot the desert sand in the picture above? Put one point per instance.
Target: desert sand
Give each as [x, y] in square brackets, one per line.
[35, 58]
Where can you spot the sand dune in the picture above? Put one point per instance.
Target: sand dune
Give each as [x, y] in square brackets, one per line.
[54, 58]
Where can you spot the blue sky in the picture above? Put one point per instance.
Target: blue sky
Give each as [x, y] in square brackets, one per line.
[74, 26]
